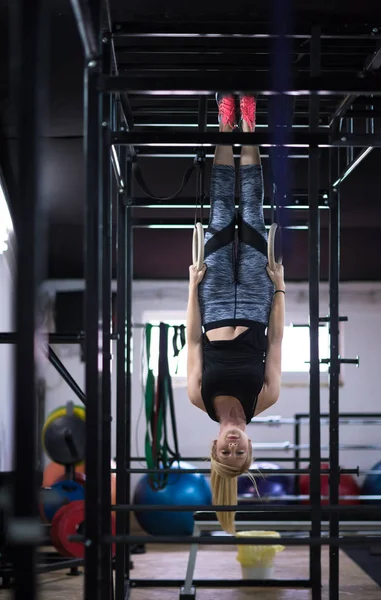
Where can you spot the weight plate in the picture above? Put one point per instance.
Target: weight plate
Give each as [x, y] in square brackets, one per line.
[78, 411]
[64, 439]
[68, 521]
[60, 494]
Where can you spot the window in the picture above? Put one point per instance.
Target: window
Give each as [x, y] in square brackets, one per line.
[177, 364]
[296, 349]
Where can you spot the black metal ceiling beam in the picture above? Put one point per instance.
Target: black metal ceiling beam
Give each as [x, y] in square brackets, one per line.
[250, 28]
[259, 47]
[297, 201]
[183, 138]
[188, 223]
[189, 152]
[196, 83]
[212, 138]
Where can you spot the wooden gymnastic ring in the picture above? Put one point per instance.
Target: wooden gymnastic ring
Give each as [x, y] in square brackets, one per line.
[273, 259]
[198, 246]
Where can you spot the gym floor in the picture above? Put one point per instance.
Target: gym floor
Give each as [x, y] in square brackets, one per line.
[170, 562]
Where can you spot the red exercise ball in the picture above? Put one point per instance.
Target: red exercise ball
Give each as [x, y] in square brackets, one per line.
[347, 487]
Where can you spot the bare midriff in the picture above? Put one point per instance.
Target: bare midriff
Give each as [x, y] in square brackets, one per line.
[225, 333]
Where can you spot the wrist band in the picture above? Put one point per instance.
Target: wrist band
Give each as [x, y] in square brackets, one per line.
[279, 292]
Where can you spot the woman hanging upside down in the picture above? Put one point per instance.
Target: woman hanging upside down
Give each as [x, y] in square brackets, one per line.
[234, 369]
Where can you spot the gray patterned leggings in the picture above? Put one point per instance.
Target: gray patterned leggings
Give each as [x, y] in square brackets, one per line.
[236, 287]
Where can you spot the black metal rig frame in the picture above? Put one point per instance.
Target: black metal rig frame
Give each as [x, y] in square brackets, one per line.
[128, 58]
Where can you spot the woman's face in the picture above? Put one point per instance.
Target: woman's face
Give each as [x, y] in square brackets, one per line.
[232, 447]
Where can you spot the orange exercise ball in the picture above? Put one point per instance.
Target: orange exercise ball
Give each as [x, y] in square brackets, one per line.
[55, 472]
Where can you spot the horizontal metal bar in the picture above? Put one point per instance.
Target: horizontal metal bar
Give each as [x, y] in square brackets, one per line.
[208, 59]
[59, 565]
[179, 108]
[278, 420]
[296, 525]
[53, 338]
[286, 446]
[188, 137]
[327, 319]
[298, 138]
[220, 583]
[357, 415]
[211, 509]
[331, 28]
[237, 541]
[255, 471]
[275, 459]
[209, 82]
[297, 497]
[188, 152]
[185, 223]
[343, 361]
[296, 200]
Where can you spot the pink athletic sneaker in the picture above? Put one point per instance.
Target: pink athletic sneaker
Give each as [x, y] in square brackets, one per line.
[226, 109]
[248, 105]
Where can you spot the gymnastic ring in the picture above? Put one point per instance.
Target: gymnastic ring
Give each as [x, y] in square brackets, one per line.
[274, 251]
[198, 246]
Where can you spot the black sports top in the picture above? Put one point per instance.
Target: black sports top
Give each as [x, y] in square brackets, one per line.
[234, 368]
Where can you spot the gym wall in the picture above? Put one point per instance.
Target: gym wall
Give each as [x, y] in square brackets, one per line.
[6, 360]
[359, 392]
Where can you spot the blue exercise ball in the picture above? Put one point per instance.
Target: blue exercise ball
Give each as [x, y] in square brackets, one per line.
[61, 493]
[268, 485]
[372, 485]
[181, 489]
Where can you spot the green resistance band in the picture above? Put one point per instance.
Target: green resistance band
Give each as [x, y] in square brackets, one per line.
[155, 451]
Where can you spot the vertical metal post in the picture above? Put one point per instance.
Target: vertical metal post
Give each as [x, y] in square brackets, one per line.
[350, 129]
[369, 123]
[29, 27]
[128, 320]
[297, 453]
[93, 319]
[314, 276]
[106, 581]
[334, 367]
[202, 113]
[121, 296]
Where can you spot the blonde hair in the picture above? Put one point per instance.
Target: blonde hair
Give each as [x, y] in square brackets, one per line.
[224, 486]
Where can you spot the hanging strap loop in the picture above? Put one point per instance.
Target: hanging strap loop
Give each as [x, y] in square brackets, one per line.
[143, 186]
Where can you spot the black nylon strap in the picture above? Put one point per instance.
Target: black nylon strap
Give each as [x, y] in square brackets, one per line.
[220, 239]
[141, 183]
[250, 236]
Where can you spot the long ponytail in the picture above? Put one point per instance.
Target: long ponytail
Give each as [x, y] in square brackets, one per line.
[224, 487]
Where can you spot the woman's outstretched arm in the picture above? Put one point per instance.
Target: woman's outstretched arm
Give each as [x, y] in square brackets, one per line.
[194, 337]
[273, 366]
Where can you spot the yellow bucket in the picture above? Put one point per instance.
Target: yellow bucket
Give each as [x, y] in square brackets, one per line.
[257, 561]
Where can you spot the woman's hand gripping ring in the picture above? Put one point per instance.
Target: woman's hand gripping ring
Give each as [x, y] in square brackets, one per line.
[274, 247]
[198, 246]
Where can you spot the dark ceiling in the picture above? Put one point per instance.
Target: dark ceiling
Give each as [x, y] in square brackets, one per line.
[165, 253]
